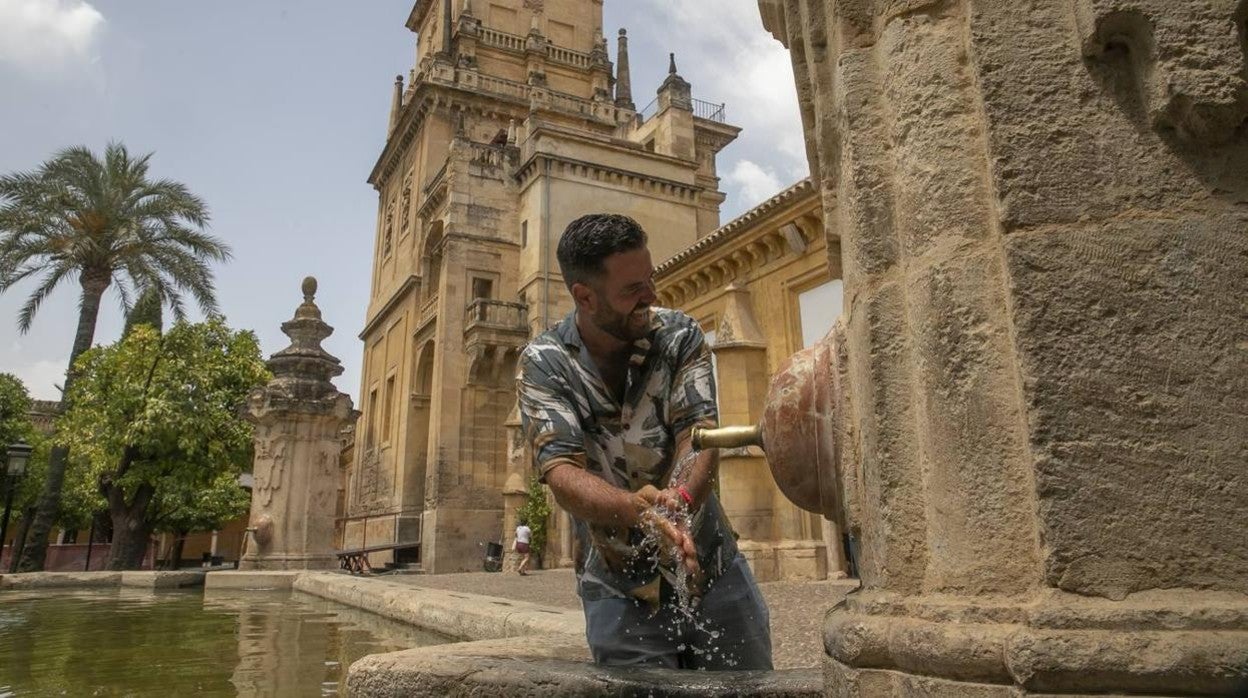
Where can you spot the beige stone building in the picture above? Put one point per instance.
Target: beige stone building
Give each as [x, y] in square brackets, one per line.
[513, 122]
[763, 286]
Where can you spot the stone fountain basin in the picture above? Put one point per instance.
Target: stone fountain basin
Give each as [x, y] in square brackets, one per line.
[511, 648]
[555, 666]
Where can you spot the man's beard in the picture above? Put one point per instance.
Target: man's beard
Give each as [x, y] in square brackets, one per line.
[620, 325]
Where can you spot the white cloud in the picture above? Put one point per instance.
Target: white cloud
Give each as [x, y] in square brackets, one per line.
[729, 57]
[41, 377]
[48, 36]
[754, 181]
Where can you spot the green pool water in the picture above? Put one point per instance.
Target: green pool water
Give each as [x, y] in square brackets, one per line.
[143, 643]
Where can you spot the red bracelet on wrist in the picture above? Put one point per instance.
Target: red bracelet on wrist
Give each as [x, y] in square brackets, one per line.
[684, 494]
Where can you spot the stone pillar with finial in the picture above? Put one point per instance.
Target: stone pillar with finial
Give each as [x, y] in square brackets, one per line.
[600, 69]
[536, 49]
[298, 418]
[468, 29]
[673, 132]
[396, 101]
[623, 79]
[675, 91]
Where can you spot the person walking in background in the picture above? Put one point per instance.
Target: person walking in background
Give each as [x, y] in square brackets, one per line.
[524, 536]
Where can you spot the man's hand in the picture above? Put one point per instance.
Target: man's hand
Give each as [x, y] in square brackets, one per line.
[676, 536]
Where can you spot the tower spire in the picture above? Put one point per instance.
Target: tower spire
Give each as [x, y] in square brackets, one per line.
[623, 80]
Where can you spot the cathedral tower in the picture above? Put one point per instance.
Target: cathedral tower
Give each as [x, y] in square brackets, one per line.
[510, 125]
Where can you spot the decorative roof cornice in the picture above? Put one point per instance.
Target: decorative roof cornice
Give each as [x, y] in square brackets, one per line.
[784, 225]
[640, 182]
[735, 227]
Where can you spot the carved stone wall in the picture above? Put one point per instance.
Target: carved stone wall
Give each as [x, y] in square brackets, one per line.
[1043, 215]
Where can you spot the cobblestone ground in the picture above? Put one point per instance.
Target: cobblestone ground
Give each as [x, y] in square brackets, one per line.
[797, 608]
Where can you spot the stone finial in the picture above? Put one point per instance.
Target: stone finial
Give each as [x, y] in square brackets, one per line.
[308, 308]
[467, 7]
[303, 370]
[671, 64]
[511, 132]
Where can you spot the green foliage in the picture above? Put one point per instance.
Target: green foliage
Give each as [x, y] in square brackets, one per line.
[146, 311]
[79, 498]
[14, 413]
[95, 223]
[100, 222]
[182, 507]
[536, 513]
[161, 412]
[15, 425]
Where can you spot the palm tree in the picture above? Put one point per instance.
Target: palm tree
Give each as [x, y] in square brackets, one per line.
[100, 222]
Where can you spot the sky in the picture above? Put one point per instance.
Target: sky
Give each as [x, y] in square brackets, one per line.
[274, 112]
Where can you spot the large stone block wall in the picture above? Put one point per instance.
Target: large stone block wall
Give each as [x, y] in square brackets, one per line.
[1043, 212]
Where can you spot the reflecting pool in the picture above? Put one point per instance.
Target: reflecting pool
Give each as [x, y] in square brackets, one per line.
[172, 643]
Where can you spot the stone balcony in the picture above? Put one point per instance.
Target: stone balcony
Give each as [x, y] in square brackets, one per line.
[494, 331]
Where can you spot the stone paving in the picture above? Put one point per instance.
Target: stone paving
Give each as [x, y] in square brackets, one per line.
[797, 608]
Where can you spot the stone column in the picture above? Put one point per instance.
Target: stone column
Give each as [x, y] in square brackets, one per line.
[567, 539]
[747, 491]
[1042, 210]
[298, 417]
[515, 488]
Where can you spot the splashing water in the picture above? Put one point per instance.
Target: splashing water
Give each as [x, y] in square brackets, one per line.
[669, 559]
[680, 471]
[680, 578]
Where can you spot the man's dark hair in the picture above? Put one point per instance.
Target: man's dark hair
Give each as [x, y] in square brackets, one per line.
[588, 240]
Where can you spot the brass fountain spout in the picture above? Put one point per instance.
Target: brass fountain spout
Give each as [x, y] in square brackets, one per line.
[727, 437]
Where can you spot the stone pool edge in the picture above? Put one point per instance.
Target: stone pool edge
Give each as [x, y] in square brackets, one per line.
[514, 648]
[139, 579]
[469, 617]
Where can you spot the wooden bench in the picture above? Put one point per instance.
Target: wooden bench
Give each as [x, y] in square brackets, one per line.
[355, 560]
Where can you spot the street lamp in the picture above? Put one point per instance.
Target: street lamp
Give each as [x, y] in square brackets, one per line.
[18, 457]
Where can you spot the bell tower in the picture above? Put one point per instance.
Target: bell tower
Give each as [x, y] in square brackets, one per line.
[511, 123]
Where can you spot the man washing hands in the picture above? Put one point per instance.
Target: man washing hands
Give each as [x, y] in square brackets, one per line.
[608, 400]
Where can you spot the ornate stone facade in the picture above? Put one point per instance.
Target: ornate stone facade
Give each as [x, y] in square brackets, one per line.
[506, 131]
[1042, 211]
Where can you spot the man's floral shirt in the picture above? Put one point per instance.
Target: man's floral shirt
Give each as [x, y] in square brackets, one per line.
[568, 413]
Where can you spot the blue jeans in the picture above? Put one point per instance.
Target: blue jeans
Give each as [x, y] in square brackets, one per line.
[728, 631]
